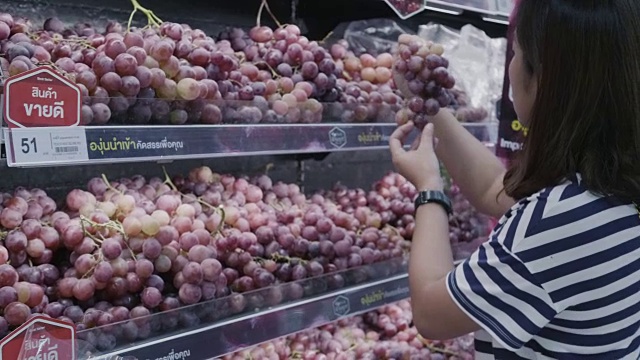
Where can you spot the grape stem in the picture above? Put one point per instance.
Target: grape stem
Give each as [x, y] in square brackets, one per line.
[276, 206]
[219, 209]
[394, 229]
[268, 168]
[57, 39]
[236, 82]
[265, 5]
[126, 243]
[241, 57]
[3, 234]
[90, 271]
[286, 259]
[111, 225]
[273, 72]
[152, 19]
[108, 184]
[167, 180]
[324, 39]
[433, 348]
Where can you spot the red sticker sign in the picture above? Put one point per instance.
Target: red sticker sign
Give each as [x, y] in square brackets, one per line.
[40, 98]
[40, 338]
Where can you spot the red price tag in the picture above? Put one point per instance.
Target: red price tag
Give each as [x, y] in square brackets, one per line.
[39, 98]
[40, 338]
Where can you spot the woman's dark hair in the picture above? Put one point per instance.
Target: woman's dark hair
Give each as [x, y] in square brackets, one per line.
[585, 57]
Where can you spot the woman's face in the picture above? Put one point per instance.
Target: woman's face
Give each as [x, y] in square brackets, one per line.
[523, 86]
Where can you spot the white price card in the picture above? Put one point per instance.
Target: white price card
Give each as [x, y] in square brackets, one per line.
[42, 146]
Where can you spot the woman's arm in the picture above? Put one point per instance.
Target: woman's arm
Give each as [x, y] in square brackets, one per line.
[435, 314]
[477, 171]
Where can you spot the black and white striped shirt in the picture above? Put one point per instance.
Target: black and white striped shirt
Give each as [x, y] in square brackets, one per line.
[559, 278]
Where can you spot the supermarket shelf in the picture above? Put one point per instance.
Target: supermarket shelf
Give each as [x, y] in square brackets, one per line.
[491, 10]
[91, 145]
[387, 283]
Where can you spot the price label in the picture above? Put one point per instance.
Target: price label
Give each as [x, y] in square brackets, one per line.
[40, 338]
[41, 97]
[35, 146]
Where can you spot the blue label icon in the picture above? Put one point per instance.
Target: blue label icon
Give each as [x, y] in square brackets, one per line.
[341, 306]
[337, 137]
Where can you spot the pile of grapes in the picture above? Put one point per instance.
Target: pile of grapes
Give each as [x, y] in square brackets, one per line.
[125, 249]
[168, 73]
[392, 198]
[383, 334]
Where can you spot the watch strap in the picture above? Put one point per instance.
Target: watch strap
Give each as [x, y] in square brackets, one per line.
[431, 196]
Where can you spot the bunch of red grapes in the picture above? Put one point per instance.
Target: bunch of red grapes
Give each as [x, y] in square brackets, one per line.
[392, 198]
[423, 77]
[122, 250]
[463, 110]
[169, 73]
[385, 333]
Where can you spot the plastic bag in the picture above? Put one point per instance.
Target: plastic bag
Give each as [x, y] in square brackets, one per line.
[373, 36]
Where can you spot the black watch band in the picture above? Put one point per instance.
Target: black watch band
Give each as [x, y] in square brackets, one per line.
[431, 196]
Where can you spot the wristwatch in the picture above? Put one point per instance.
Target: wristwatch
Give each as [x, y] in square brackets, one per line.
[438, 197]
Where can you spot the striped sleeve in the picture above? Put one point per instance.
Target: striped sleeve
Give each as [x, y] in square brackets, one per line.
[497, 290]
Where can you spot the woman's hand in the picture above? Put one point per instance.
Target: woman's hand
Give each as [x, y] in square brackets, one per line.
[420, 164]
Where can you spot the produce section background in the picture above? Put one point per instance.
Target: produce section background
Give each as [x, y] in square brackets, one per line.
[311, 172]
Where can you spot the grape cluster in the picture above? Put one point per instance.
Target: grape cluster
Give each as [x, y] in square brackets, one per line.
[169, 73]
[368, 93]
[391, 198]
[26, 253]
[422, 76]
[122, 250]
[463, 110]
[385, 333]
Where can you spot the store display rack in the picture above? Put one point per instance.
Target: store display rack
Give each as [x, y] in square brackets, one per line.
[496, 11]
[222, 326]
[111, 144]
[212, 329]
[205, 332]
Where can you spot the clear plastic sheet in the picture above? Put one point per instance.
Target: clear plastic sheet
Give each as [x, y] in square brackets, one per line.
[373, 36]
[477, 61]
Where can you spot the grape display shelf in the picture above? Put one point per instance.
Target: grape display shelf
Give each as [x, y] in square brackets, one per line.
[492, 11]
[110, 144]
[212, 329]
[496, 11]
[221, 326]
[208, 336]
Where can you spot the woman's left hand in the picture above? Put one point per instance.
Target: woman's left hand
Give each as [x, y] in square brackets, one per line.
[420, 164]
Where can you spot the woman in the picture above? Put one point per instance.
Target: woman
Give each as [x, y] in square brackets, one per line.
[559, 277]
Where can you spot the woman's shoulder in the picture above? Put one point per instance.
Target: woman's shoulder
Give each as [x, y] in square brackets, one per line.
[565, 210]
[570, 196]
